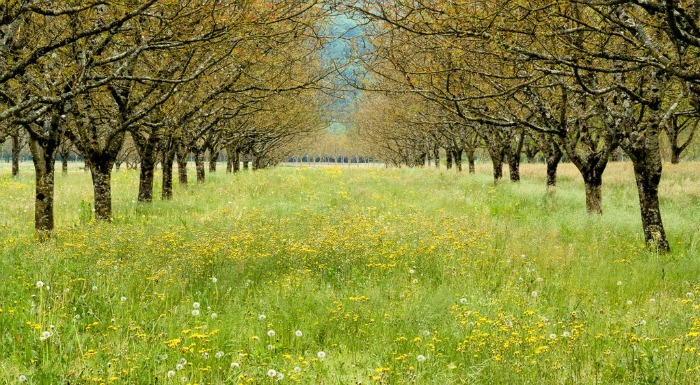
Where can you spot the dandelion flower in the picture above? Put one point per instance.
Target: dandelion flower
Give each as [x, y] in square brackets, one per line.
[321, 355]
[205, 355]
[411, 271]
[414, 281]
[552, 336]
[179, 366]
[280, 376]
[235, 365]
[21, 378]
[262, 317]
[619, 283]
[540, 279]
[298, 333]
[214, 315]
[123, 298]
[272, 373]
[94, 288]
[182, 361]
[45, 335]
[39, 284]
[565, 334]
[689, 295]
[534, 294]
[219, 354]
[270, 333]
[297, 369]
[629, 302]
[196, 305]
[653, 300]
[171, 373]
[213, 279]
[421, 358]
[195, 312]
[463, 301]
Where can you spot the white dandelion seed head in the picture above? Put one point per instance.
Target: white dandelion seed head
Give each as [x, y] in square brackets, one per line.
[298, 333]
[414, 281]
[270, 333]
[272, 372]
[179, 366]
[321, 355]
[94, 288]
[219, 354]
[565, 334]
[235, 365]
[411, 271]
[182, 361]
[214, 316]
[45, 335]
[171, 373]
[205, 355]
[195, 305]
[297, 369]
[21, 378]
[689, 295]
[540, 279]
[262, 317]
[213, 279]
[39, 284]
[552, 336]
[653, 300]
[619, 283]
[195, 312]
[421, 358]
[533, 294]
[280, 376]
[629, 302]
[123, 298]
[463, 301]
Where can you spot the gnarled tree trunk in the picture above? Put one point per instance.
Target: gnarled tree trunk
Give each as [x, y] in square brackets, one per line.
[43, 155]
[182, 155]
[16, 148]
[199, 164]
[168, 162]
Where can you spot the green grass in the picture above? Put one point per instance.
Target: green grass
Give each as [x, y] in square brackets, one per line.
[376, 267]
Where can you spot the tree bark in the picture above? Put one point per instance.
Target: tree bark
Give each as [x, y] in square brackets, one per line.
[213, 158]
[553, 158]
[448, 159]
[594, 196]
[147, 153]
[43, 156]
[646, 160]
[514, 167]
[167, 187]
[497, 162]
[16, 148]
[199, 164]
[182, 154]
[470, 160]
[457, 157]
[101, 170]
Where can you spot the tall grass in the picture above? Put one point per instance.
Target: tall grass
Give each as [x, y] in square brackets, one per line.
[391, 276]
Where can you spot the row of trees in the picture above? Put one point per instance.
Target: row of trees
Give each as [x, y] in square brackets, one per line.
[168, 78]
[581, 78]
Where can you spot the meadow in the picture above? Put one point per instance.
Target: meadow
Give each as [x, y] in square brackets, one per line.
[333, 275]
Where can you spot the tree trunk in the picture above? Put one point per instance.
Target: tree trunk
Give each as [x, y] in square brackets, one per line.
[167, 187]
[245, 163]
[101, 171]
[436, 157]
[199, 164]
[448, 159]
[182, 155]
[457, 157]
[594, 198]
[43, 156]
[470, 160]
[514, 167]
[676, 155]
[64, 164]
[497, 162]
[553, 159]
[646, 161]
[148, 165]
[236, 160]
[15, 153]
[213, 158]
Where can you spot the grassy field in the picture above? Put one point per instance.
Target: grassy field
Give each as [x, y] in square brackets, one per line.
[333, 275]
